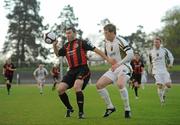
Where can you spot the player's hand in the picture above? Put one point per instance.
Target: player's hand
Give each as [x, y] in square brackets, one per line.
[170, 66]
[55, 43]
[115, 66]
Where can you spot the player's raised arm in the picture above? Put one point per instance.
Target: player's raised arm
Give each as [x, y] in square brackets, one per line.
[56, 50]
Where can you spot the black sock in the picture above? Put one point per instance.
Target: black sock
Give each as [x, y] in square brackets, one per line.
[54, 85]
[64, 98]
[80, 100]
[136, 91]
[8, 87]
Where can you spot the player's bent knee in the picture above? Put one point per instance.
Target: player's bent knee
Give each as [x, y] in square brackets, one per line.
[168, 85]
[100, 86]
[160, 86]
[61, 90]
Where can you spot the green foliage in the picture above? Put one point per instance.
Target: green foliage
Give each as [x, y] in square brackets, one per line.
[138, 40]
[171, 31]
[25, 106]
[25, 28]
[67, 19]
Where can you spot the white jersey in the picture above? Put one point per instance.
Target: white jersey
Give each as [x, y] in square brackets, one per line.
[40, 73]
[159, 59]
[119, 50]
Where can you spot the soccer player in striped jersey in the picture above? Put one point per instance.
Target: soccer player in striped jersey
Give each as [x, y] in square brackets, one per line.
[138, 68]
[8, 71]
[78, 74]
[55, 71]
[118, 49]
[160, 59]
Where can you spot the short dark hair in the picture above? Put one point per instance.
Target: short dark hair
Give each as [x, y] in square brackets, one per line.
[71, 28]
[110, 28]
[158, 38]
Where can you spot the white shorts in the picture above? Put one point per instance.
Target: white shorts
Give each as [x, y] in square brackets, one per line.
[121, 70]
[40, 80]
[162, 78]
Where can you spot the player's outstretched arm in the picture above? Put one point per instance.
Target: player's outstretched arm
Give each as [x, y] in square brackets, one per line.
[55, 48]
[110, 60]
[129, 56]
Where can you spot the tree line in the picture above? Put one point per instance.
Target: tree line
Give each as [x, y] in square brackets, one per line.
[24, 39]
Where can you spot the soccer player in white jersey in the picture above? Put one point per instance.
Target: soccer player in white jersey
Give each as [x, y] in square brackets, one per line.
[160, 58]
[40, 75]
[118, 49]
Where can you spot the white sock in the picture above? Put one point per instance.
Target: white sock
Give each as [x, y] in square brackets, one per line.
[165, 90]
[41, 89]
[142, 85]
[125, 98]
[105, 95]
[160, 93]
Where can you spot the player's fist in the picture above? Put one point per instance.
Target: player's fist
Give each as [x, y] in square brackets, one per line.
[170, 66]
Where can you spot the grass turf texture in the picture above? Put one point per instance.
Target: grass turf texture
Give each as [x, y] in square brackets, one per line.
[25, 106]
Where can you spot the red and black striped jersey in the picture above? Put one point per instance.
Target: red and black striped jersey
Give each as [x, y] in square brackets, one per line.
[76, 52]
[55, 71]
[7, 68]
[137, 66]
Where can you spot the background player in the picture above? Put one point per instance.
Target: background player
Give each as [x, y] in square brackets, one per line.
[138, 68]
[160, 58]
[40, 75]
[8, 71]
[55, 71]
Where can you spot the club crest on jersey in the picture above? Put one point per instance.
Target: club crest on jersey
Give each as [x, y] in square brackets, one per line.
[124, 71]
[76, 45]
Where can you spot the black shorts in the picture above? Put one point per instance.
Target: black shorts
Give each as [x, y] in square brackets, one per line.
[136, 78]
[9, 78]
[55, 78]
[81, 72]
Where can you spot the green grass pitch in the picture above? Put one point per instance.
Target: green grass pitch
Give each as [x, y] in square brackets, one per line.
[25, 106]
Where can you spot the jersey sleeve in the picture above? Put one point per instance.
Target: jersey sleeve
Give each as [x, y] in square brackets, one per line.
[87, 45]
[142, 63]
[169, 56]
[34, 73]
[46, 72]
[123, 44]
[62, 51]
